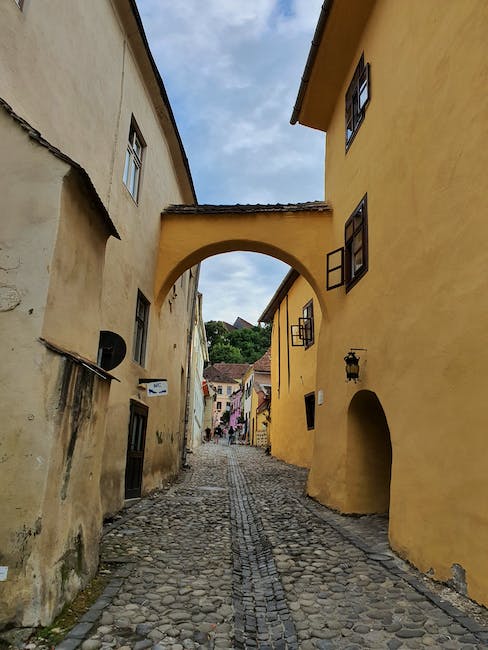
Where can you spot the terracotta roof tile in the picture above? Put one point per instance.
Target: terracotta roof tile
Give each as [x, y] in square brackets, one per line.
[264, 363]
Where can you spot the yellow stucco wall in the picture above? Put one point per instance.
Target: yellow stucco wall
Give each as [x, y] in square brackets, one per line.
[421, 308]
[292, 377]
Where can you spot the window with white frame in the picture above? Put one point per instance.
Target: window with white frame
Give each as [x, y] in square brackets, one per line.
[133, 160]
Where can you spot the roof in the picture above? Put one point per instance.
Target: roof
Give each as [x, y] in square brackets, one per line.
[310, 206]
[332, 53]
[228, 373]
[164, 95]
[35, 135]
[312, 55]
[264, 363]
[277, 299]
[239, 324]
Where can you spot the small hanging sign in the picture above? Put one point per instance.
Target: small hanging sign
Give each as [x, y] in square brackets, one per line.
[157, 388]
[3, 573]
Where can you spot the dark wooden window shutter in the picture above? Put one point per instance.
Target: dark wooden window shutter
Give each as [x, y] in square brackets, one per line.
[335, 268]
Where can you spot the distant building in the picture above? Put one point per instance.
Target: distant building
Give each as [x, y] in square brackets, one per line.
[239, 324]
[225, 379]
[257, 379]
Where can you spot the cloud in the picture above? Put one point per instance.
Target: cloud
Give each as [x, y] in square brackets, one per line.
[239, 284]
[232, 70]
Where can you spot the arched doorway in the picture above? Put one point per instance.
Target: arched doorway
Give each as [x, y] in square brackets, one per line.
[369, 455]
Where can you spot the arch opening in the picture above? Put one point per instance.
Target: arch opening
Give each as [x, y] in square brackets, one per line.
[369, 455]
[199, 255]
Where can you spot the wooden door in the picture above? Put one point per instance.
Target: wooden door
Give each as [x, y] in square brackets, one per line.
[135, 450]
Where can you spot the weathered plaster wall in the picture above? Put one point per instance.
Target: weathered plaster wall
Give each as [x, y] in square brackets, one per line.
[420, 310]
[293, 372]
[52, 412]
[103, 79]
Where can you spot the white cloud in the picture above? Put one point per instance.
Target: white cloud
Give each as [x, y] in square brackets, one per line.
[232, 70]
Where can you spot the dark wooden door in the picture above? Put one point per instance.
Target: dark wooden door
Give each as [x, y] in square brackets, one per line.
[135, 450]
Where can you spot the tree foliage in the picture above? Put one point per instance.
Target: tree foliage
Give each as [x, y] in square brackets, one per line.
[236, 346]
[225, 352]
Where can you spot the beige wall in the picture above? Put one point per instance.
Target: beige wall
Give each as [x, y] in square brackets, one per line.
[420, 310]
[53, 411]
[292, 377]
[71, 70]
[85, 109]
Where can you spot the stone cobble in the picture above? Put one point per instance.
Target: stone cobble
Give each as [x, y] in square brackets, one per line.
[262, 618]
[235, 556]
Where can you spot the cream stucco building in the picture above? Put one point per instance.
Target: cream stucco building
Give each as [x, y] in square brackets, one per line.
[94, 155]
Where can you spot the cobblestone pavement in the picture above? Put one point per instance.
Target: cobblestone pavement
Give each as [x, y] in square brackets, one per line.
[234, 556]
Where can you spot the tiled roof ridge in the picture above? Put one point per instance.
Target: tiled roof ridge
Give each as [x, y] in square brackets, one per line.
[263, 364]
[313, 206]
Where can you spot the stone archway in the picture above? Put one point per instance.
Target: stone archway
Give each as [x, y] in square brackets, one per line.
[297, 234]
[369, 455]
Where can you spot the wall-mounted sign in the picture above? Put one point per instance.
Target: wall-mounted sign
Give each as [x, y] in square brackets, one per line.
[157, 388]
[3, 573]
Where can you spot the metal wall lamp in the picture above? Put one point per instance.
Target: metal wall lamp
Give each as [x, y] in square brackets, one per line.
[352, 364]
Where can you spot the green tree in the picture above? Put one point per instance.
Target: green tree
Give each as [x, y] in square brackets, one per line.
[216, 332]
[225, 352]
[236, 346]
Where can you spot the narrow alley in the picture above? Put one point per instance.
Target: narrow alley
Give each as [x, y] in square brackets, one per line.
[233, 555]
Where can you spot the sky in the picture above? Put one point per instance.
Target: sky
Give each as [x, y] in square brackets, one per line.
[232, 70]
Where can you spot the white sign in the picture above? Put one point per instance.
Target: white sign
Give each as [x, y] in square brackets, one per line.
[156, 388]
[3, 573]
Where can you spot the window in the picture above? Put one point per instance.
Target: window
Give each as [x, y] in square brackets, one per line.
[133, 161]
[310, 410]
[140, 330]
[227, 406]
[356, 244]
[219, 406]
[219, 390]
[229, 390]
[347, 264]
[307, 327]
[357, 99]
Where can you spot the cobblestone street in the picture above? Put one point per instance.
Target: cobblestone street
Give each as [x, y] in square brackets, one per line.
[234, 556]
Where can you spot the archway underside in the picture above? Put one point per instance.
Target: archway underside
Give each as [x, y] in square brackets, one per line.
[296, 234]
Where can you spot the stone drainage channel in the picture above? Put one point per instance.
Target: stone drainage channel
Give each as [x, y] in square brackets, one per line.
[233, 556]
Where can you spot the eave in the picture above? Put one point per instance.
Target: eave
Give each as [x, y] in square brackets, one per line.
[331, 55]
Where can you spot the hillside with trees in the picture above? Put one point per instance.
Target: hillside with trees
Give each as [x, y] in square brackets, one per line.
[237, 345]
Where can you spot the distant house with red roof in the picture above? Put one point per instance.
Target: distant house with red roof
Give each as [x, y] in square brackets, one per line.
[224, 379]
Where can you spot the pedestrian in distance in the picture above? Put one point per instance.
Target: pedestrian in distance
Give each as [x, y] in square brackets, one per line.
[208, 434]
[217, 434]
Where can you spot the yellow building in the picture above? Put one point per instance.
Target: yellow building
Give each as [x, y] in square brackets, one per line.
[296, 318]
[91, 157]
[400, 89]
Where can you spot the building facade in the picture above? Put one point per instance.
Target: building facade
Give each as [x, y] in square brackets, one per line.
[296, 319]
[198, 358]
[400, 90]
[95, 156]
[224, 379]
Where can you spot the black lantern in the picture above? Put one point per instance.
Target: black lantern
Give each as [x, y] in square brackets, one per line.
[352, 366]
